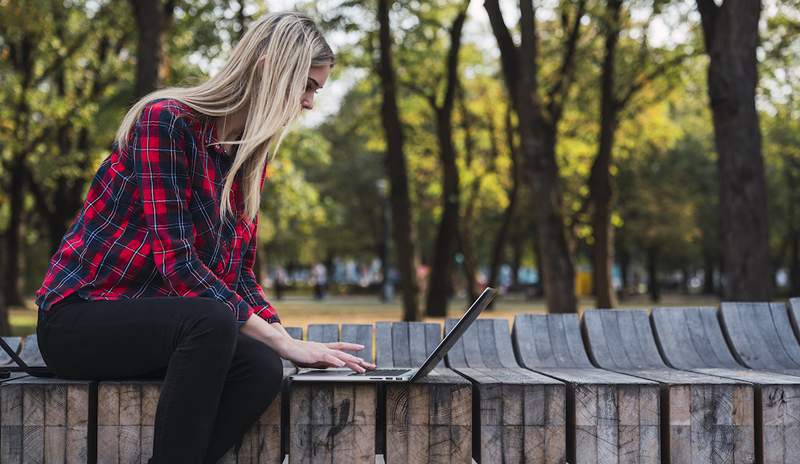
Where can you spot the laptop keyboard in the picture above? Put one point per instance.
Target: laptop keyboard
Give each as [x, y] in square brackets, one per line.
[377, 372]
[383, 372]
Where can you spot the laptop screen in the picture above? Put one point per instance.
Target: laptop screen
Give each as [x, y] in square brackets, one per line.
[452, 337]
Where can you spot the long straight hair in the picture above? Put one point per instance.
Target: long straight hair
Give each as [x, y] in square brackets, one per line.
[266, 74]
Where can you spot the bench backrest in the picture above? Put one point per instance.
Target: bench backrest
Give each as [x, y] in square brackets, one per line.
[549, 341]
[692, 338]
[405, 344]
[761, 335]
[487, 343]
[352, 333]
[621, 340]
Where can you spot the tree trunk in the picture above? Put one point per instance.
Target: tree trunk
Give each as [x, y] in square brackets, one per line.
[396, 169]
[501, 238]
[600, 187]
[439, 283]
[708, 274]
[624, 268]
[538, 132]
[653, 286]
[149, 16]
[16, 195]
[731, 37]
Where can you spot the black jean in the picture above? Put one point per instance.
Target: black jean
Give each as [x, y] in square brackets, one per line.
[217, 381]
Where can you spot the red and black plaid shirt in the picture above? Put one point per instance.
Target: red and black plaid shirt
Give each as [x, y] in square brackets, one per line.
[150, 225]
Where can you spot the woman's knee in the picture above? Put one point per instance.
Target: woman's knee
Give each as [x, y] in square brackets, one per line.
[213, 315]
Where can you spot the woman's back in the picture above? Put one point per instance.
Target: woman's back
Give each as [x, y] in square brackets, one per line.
[130, 237]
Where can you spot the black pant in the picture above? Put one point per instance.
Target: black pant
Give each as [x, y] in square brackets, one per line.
[217, 381]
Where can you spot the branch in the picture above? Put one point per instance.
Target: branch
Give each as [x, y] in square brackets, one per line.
[508, 50]
[452, 57]
[556, 94]
[422, 92]
[644, 79]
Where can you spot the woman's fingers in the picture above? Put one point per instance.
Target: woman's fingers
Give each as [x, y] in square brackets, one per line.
[346, 357]
[333, 360]
[344, 346]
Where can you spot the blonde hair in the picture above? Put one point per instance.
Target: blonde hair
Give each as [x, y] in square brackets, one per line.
[266, 74]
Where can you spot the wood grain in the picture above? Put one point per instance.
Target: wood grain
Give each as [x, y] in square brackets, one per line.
[334, 422]
[611, 417]
[692, 339]
[44, 420]
[709, 418]
[429, 420]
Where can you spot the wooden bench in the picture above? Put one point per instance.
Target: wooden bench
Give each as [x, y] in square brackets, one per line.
[706, 418]
[126, 416]
[429, 420]
[794, 315]
[334, 422]
[44, 419]
[692, 339]
[611, 417]
[520, 414]
[761, 336]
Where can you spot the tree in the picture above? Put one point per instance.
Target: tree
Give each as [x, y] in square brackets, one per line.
[448, 230]
[153, 18]
[730, 32]
[539, 112]
[618, 88]
[396, 168]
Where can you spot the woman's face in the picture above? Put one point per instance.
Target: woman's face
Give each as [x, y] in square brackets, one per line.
[316, 79]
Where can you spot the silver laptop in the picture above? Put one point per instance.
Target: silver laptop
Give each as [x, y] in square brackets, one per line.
[344, 374]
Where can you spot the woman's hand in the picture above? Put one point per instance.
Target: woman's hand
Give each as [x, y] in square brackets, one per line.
[322, 355]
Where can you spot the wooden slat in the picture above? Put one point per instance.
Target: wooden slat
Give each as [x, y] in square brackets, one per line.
[126, 418]
[794, 315]
[288, 369]
[709, 418]
[761, 336]
[333, 422]
[323, 333]
[521, 414]
[692, 339]
[361, 334]
[611, 417]
[429, 420]
[44, 420]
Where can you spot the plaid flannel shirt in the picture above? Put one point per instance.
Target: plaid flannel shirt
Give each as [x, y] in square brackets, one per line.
[150, 224]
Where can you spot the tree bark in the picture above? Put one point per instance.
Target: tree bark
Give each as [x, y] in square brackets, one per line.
[731, 37]
[538, 136]
[149, 16]
[396, 169]
[600, 184]
[12, 243]
[439, 283]
[498, 247]
[653, 286]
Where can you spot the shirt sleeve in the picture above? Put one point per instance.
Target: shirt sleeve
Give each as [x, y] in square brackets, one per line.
[162, 171]
[251, 291]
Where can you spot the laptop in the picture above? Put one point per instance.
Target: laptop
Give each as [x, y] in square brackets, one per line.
[344, 374]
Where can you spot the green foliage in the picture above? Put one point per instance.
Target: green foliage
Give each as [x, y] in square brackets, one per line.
[324, 196]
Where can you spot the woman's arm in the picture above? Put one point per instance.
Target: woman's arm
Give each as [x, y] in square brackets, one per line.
[304, 354]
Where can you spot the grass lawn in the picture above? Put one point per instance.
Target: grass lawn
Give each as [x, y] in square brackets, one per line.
[299, 311]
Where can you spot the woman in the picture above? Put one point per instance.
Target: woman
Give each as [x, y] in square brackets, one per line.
[155, 276]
